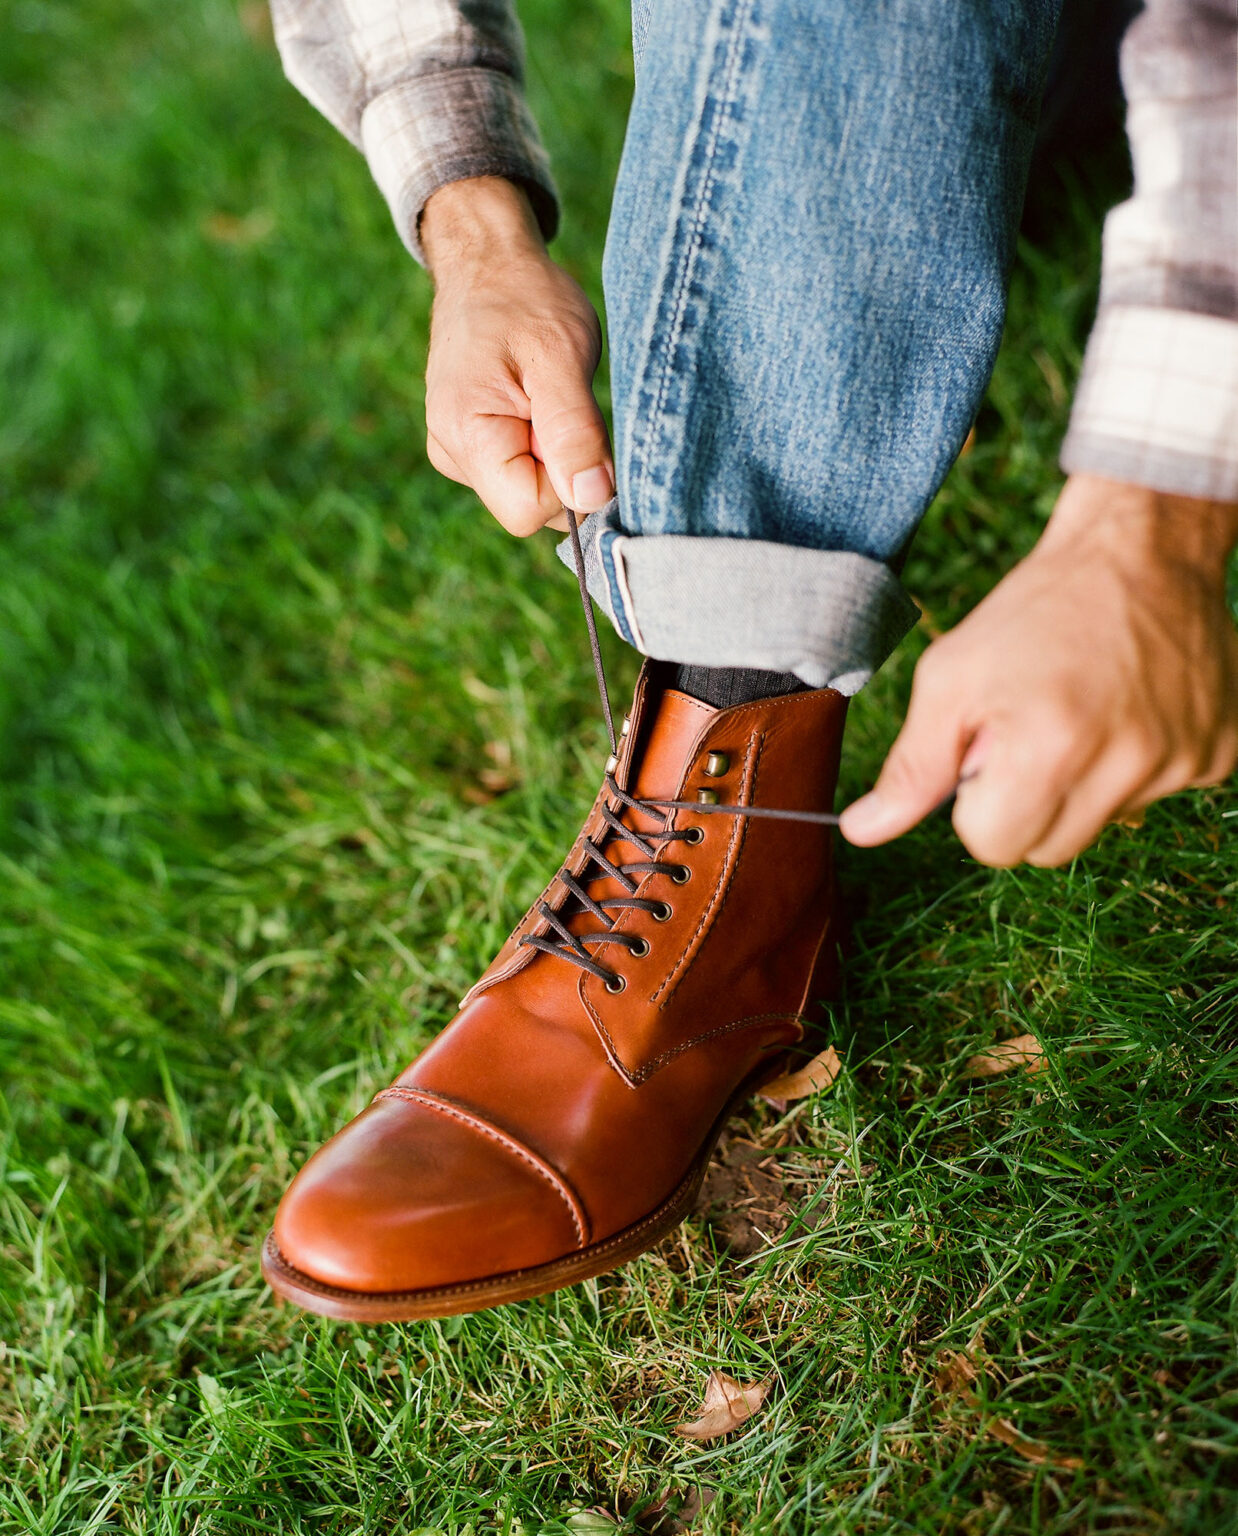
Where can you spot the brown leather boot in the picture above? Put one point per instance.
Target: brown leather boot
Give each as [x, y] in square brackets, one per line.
[562, 1123]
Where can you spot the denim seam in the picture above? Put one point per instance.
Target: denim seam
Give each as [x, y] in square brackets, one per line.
[621, 612]
[687, 256]
[618, 546]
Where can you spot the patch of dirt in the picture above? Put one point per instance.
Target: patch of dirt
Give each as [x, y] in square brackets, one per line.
[743, 1198]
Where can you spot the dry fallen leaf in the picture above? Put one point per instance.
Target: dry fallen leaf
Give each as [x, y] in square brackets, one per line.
[255, 18]
[728, 1404]
[671, 1513]
[955, 1372]
[503, 775]
[228, 229]
[1022, 1051]
[814, 1077]
[1029, 1449]
[956, 1376]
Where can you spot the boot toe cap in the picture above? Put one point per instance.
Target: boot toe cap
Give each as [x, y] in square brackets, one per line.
[412, 1196]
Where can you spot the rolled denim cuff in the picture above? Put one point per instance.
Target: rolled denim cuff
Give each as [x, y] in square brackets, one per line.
[831, 617]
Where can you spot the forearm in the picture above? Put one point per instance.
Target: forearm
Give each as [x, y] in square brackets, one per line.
[1144, 527]
[471, 225]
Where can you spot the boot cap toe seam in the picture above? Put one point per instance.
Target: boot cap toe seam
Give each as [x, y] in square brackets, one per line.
[484, 1127]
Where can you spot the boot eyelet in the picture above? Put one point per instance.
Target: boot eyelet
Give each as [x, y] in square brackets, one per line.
[639, 949]
[694, 835]
[616, 984]
[681, 874]
[662, 913]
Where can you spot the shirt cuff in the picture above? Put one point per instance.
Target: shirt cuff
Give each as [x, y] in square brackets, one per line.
[447, 126]
[1157, 402]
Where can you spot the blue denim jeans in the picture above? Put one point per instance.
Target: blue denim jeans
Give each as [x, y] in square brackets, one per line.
[805, 281]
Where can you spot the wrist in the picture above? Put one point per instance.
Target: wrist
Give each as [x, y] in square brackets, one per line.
[1142, 522]
[478, 222]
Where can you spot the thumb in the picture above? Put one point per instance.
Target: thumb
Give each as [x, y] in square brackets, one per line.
[920, 771]
[569, 436]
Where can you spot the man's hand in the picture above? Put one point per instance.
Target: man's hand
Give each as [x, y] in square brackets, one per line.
[514, 344]
[1101, 674]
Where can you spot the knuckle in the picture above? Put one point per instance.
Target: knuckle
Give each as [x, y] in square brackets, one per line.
[1057, 726]
[571, 418]
[574, 332]
[442, 420]
[988, 849]
[989, 829]
[1183, 765]
[900, 769]
[1042, 858]
[1216, 766]
[522, 518]
[467, 434]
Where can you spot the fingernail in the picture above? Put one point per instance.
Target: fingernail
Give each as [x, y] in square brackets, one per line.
[592, 489]
[865, 817]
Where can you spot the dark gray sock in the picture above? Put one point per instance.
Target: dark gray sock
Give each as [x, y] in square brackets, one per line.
[724, 687]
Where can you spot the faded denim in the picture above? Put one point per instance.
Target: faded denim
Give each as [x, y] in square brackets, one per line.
[805, 278]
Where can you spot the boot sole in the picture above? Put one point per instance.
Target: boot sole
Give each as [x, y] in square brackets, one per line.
[313, 1295]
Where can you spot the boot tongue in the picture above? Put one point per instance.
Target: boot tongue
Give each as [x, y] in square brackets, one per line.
[674, 725]
[660, 759]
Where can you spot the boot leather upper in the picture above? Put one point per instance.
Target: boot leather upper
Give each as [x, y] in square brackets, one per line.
[553, 1113]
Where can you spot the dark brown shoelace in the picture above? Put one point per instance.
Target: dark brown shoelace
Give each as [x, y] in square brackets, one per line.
[573, 947]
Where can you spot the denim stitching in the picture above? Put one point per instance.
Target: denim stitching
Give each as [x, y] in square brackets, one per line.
[723, 102]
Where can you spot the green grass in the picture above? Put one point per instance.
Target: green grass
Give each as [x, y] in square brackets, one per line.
[251, 653]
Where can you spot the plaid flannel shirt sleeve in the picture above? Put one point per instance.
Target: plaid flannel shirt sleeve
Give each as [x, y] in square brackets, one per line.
[430, 90]
[1157, 402]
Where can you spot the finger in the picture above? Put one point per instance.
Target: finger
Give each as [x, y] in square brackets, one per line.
[559, 523]
[920, 771]
[569, 436]
[495, 459]
[1028, 769]
[1213, 766]
[1111, 787]
[443, 461]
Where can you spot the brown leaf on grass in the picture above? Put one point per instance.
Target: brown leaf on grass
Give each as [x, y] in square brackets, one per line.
[503, 775]
[955, 1373]
[814, 1077]
[496, 780]
[228, 229]
[728, 1404]
[255, 18]
[1022, 1051]
[956, 1376]
[1029, 1449]
[673, 1514]
[743, 1198]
